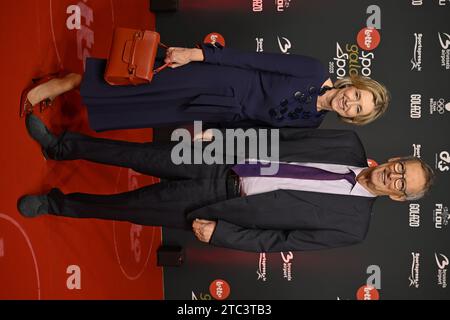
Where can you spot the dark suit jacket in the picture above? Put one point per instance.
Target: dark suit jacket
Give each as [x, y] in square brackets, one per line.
[289, 220]
[229, 86]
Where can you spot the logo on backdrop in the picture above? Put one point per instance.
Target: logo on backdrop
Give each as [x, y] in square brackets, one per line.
[352, 59]
[414, 215]
[439, 106]
[442, 263]
[415, 268]
[440, 216]
[439, 2]
[201, 296]
[367, 292]
[416, 150]
[214, 38]
[416, 60]
[262, 267]
[282, 5]
[372, 163]
[259, 44]
[442, 162]
[349, 61]
[287, 265]
[284, 44]
[219, 289]
[368, 39]
[257, 5]
[416, 106]
[444, 40]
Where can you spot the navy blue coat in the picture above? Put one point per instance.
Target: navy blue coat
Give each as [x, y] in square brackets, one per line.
[229, 87]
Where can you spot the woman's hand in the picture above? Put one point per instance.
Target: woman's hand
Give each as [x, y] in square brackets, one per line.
[178, 57]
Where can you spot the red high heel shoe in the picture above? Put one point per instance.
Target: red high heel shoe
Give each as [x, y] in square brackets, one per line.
[25, 104]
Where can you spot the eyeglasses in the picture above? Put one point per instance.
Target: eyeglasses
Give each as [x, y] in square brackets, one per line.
[400, 183]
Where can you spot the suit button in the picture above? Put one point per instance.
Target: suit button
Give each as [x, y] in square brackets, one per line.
[298, 94]
[312, 90]
[284, 103]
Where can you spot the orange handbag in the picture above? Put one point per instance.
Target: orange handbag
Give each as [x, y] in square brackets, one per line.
[132, 57]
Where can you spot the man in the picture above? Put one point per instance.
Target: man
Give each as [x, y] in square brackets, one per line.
[321, 197]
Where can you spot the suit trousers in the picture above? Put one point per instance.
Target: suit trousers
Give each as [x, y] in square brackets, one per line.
[186, 186]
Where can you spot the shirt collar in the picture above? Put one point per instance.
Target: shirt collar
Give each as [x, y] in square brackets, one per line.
[358, 189]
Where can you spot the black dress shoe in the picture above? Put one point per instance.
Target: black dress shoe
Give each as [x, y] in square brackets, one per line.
[39, 132]
[33, 206]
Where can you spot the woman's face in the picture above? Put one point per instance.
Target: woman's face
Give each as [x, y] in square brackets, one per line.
[351, 102]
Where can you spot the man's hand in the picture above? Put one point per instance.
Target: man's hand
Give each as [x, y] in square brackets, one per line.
[203, 229]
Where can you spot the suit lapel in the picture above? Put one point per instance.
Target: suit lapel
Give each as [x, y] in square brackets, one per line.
[322, 146]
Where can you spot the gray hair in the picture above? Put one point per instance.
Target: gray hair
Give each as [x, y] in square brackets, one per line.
[429, 178]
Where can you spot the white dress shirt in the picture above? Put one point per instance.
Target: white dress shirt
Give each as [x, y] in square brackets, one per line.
[255, 185]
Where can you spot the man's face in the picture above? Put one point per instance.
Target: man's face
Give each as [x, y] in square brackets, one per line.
[396, 179]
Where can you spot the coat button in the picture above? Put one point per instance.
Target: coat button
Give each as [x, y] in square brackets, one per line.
[312, 90]
[284, 102]
[308, 99]
[306, 115]
[293, 115]
[301, 97]
[272, 113]
[298, 94]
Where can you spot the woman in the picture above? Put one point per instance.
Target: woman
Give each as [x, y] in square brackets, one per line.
[222, 86]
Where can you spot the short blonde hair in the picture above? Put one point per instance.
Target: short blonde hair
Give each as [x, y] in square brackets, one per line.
[381, 97]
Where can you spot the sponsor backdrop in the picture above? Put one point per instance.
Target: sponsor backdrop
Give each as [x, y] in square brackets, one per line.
[404, 44]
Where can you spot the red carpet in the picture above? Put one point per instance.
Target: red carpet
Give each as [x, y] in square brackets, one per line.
[60, 258]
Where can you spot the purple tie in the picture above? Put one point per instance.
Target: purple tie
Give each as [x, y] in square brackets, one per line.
[293, 171]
